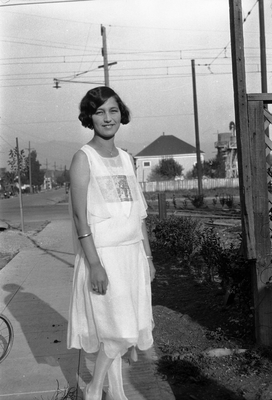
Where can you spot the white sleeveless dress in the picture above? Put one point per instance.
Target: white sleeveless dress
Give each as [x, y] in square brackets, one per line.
[115, 208]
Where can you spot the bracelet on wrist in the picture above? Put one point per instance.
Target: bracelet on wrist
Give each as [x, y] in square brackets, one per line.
[84, 236]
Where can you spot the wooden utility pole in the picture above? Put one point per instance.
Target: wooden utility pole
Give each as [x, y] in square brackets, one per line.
[105, 55]
[253, 146]
[261, 269]
[30, 168]
[198, 156]
[262, 47]
[241, 121]
[20, 186]
[263, 53]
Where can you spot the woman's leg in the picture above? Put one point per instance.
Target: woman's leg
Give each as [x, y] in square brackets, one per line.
[93, 391]
[116, 390]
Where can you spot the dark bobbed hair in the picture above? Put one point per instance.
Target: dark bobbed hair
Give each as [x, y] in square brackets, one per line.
[93, 99]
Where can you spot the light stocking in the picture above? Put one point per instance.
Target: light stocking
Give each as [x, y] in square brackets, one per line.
[93, 391]
[116, 390]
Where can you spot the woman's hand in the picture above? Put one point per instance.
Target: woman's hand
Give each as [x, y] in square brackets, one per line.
[152, 269]
[99, 279]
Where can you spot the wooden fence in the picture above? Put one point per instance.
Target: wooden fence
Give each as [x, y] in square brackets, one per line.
[188, 184]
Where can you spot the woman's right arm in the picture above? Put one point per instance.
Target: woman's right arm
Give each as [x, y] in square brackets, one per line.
[79, 181]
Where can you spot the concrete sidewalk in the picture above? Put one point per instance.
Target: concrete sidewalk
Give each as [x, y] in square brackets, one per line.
[35, 292]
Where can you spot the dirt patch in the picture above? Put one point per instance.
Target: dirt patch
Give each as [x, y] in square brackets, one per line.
[193, 317]
[12, 240]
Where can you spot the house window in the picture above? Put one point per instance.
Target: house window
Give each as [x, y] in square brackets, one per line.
[147, 164]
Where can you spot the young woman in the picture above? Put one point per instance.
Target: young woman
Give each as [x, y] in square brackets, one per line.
[110, 308]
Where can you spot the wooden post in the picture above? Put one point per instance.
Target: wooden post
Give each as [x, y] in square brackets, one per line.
[30, 169]
[241, 121]
[162, 205]
[262, 48]
[105, 56]
[198, 156]
[262, 272]
[20, 186]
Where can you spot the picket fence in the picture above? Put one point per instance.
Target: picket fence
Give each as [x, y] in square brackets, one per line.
[188, 184]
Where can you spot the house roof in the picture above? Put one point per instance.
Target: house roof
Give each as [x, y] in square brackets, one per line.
[167, 145]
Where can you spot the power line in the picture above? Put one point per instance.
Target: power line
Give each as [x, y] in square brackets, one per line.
[225, 48]
[6, 142]
[42, 2]
[48, 75]
[40, 153]
[67, 45]
[120, 60]
[76, 120]
[115, 54]
[121, 78]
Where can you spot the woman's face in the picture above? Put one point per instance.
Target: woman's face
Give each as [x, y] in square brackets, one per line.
[107, 119]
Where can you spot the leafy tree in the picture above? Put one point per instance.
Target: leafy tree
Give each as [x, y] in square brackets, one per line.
[154, 176]
[10, 177]
[214, 168]
[8, 180]
[13, 161]
[63, 178]
[167, 169]
[66, 175]
[37, 174]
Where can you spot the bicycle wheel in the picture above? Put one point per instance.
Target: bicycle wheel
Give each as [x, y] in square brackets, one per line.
[6, 337]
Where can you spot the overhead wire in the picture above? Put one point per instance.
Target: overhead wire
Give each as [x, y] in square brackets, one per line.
[130, 78]
[224, 50]
[42, 2]
[76, 121]
[27, 134]
[121, 53]
[6, 141]
[75, 75]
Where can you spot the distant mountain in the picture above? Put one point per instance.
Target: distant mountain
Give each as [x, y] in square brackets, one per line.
[132, 148]
[58, 154]
[61, 152]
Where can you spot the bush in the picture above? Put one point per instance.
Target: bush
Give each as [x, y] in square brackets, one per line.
[188, 239]
[151, 222]
[230, 266]
[178, 235]
[197, 200]
[219, 260]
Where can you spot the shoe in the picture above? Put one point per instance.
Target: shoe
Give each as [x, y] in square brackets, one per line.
[108, 396]
[84, 394]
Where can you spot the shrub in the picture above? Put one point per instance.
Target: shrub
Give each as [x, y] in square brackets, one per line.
[151, 222]
[178, 235]
[197, 200]
[229, 201]
[231, 267]
[211, 251]
[187, 238]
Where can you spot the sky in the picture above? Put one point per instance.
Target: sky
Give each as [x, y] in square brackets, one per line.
[151, 42]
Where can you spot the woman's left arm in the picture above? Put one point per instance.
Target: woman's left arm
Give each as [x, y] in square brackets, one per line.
[148, 251]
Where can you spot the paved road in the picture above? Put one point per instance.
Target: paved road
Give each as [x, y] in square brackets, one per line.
[48, 205]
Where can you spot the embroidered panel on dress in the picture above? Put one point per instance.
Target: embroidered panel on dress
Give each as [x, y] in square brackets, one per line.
[114, 188]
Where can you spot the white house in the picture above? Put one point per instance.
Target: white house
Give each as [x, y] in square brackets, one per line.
[166, 146]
